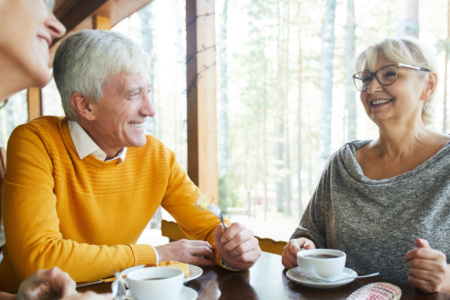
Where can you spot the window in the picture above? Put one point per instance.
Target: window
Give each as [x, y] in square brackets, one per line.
[13, 113]
[269, 102]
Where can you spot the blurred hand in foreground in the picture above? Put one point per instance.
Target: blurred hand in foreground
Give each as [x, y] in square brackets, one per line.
[53, 284]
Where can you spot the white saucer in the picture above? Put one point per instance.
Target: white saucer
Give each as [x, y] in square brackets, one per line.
[194, 272]
[296, 275]
[187, 293]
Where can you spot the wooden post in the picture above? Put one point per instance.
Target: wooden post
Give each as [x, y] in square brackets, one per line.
[201, 94]
[34, 101]
[103, 23]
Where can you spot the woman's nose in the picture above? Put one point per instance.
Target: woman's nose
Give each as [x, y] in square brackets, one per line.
[55, 27]
[374, 86]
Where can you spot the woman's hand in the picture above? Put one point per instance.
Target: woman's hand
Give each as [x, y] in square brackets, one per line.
[428, 268]
[289, 256]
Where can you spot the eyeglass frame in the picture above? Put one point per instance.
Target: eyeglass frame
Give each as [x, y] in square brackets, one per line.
[374, 74]
[50, 5]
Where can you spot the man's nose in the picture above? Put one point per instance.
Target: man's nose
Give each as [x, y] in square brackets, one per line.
[147, 109]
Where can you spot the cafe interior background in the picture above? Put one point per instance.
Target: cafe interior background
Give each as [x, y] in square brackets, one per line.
[285, 99]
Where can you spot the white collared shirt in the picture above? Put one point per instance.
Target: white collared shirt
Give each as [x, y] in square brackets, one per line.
[85, 145]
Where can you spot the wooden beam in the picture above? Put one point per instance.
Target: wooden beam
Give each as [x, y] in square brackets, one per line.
[201, 94]
[77, 15]
[73, 12]
[34, 102]
[118, 10]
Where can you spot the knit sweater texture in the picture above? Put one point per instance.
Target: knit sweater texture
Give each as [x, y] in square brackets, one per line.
[85, 216]
[377, 221]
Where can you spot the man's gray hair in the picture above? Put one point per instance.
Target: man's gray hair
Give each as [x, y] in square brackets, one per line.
[86, 61]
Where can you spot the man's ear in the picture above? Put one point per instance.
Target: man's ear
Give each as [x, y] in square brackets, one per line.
[430, 87]
[83, 105]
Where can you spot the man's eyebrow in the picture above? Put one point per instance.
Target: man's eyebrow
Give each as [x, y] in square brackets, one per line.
[133, 89]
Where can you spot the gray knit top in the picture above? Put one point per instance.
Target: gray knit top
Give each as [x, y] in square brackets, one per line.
[376, 221]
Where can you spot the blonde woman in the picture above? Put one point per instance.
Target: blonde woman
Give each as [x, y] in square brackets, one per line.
[28, 28]
[385, 202]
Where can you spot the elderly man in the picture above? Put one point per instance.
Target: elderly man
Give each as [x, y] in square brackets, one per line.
[80, 190]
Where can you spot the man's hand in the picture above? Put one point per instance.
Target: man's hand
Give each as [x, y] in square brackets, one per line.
[289, 256]
[187, 251]
[237, 246]
[428, 269]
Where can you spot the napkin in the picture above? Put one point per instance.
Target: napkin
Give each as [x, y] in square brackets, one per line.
[378, 291]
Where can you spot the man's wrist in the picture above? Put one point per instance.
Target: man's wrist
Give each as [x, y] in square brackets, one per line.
[156, 254]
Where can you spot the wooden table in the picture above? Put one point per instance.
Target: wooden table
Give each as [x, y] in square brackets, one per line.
[267, 280]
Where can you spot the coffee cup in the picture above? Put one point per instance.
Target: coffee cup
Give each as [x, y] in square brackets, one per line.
[157, 283]
[321, 264]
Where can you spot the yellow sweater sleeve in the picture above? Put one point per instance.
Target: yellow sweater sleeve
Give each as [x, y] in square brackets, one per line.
[179, 201]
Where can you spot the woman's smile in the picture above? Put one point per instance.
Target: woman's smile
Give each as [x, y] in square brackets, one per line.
[377, 102]
[45, 41]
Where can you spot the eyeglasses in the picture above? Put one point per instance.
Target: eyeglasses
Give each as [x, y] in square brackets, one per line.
[50, 4]
[385, 76]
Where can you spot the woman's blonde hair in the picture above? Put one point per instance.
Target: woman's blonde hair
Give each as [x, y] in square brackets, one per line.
[401, 50]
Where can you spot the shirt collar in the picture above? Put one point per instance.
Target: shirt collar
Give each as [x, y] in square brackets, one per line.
[85, 145]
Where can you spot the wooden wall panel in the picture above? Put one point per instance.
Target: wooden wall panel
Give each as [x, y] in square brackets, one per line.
[201, 94]
[34, 102]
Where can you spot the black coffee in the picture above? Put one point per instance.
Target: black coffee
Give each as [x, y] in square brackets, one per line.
[323, 256]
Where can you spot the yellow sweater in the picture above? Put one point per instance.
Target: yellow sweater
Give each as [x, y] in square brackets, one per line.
[85, 216]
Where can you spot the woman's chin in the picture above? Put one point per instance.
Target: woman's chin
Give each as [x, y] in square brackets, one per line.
[42, 79]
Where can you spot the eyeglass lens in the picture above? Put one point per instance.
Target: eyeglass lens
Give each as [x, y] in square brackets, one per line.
[385, 76]
[50, 4]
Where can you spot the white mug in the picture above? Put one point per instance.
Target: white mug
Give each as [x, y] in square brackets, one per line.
[156, 283]
[321, 264]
